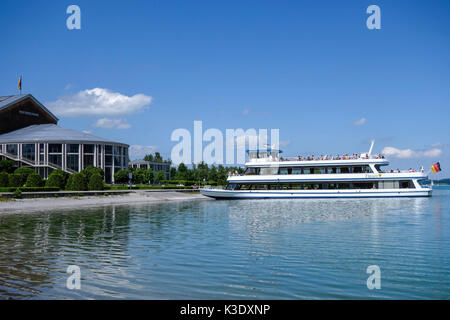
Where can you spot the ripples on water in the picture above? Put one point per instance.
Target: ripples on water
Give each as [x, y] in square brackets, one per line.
[262, 249]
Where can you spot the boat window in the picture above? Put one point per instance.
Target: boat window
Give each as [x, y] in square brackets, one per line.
[318, 170]
[252, 171]
[245, 186]
[306, 170]
[344, 170]
[389, 184]
[269, 171]
[296, 170]
[362, 169]
[260, 187]
[331, 170]
[231, 186]
[364, 185]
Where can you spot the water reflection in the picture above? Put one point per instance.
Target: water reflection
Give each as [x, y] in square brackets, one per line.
[264, 249]
[32, 245]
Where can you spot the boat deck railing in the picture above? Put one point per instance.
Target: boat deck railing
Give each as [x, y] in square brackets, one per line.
[331, 157]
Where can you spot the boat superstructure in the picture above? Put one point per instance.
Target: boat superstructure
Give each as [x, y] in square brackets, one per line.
[268, 175]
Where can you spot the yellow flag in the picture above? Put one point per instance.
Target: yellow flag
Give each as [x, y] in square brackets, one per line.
[19, 84]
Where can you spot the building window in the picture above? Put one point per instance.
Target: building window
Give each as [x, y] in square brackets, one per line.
[73, 148]
[88, 160]
[11, 149]
[55, 159]
[72, 162]
[28, 151]
[108, 149]
[55, 148]
[88, 148]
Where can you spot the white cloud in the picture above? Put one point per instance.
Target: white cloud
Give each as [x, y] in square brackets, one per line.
[111, 124]
[98, 101]
[360, 122]
[408, 153]
[138, 151]
[245, 112]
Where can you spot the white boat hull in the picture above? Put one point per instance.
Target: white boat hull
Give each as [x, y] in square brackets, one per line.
[350, 193]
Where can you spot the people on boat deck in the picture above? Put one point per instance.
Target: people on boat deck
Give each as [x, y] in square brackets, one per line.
[346, 156]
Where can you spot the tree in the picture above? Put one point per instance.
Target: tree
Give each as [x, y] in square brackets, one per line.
[202, 171]
[7, 166]
[221, 175]
[160, 176]
[173, 173]
[15, 180]
[4, 177]
[77, 182]
[158, 157]
[24, 172]
[212, 173]
[149, 157]
[91, 170]
[34, 180]
[148, 176]
[139, 176]
[57, 179]
[96, 182]
[182, 172]
[121, 176]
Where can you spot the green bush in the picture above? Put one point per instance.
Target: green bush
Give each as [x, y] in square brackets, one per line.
[91, 170]
[15, 180]
[7, 166]
[121, 176]
[77, 182]
[34, 180]
[57, 178]
[96, 182]
[160, 176]
[4, 177]
[17, 194]
[29, 189]
[24, 172]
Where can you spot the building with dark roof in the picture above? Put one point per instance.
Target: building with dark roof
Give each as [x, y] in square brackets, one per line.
[30, 136]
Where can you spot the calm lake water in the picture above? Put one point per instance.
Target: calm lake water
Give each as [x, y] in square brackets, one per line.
[242, 249]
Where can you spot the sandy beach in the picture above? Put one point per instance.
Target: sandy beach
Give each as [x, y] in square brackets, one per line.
[46, 204]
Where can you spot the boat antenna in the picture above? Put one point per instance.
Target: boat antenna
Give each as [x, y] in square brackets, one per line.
[372, 142]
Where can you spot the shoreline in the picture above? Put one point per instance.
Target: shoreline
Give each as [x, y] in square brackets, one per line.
[33, 205]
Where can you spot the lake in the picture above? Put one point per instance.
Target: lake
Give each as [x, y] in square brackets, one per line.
[237, 249]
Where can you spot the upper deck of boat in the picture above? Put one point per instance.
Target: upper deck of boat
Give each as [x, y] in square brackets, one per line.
[356, 159]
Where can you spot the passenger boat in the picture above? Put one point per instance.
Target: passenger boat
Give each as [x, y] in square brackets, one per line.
[268, 175]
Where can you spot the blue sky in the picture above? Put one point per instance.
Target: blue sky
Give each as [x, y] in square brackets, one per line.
[310, 69]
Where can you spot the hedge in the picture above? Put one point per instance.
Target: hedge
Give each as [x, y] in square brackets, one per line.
[29, 189]
[57, 178]
[96, 182]
[77, 182]
[4, 177]
[34, 180]
[15, 180]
